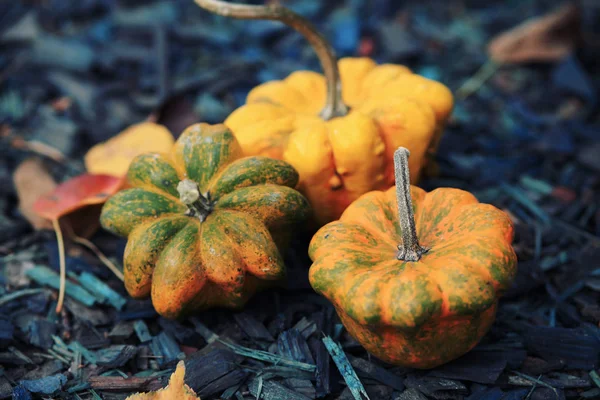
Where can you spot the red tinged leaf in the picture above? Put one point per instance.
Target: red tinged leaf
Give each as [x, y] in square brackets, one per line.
[82, 191]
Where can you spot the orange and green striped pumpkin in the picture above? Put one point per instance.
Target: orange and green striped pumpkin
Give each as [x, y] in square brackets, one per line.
[422, 298]
[201, 222]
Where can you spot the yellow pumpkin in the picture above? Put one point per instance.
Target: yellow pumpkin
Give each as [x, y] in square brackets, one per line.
[339, 131]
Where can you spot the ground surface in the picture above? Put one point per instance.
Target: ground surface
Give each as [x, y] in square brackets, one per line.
[527, 141]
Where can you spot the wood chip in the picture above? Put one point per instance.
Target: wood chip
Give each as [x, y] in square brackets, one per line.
[575, 347]
[367, 369]
[291, 344]
[119, 383]
[410, 394]
[270, 390]
[165, 347]
[475, 366]
[302, 386]
[438, 388]
[204, 370]
[115, 356]
[253, 328]
[341, 361]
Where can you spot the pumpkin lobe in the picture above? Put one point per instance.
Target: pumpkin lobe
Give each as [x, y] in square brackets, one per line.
[198, 205]
[410, 249]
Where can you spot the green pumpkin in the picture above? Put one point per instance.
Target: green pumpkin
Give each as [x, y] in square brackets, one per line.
[201, 222]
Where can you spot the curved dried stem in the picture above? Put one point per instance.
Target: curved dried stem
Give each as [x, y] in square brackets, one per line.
[334, 105]
[410, 249]
[61, 261]
[94, 249]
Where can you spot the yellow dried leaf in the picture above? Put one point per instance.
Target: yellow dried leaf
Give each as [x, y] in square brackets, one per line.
[114, 156]
[175, 390]
[32, 180]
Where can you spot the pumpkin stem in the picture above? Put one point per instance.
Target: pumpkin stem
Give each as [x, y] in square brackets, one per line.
[198, 205]
[334, 105]
[410, 249]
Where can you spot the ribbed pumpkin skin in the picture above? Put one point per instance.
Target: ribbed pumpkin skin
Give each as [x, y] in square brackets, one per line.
[415, 314]
[186, 264]
[340, 159]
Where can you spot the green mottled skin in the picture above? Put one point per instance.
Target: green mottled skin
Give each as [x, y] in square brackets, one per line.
[203, 150]
[275, 205]
[132, 207]
[153, 171]
[253, 171]
[417, 314]
[188, 265]
[146, 242]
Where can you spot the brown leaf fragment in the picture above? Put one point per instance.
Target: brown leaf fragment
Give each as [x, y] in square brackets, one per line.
[32, 180]
[547, 38]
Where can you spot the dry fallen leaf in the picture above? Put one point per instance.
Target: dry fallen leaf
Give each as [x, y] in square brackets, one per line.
[547, 38]
[32, 180]
[114, 156]
[175, 390]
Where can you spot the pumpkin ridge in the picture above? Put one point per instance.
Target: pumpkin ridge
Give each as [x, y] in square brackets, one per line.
[251, 171]
[329, 238]
[251, 246]
[123, 211]
[306, 96]
[379, 77]
[278, 92]
[474, 268]
[360, 212]
[360, 300]
[439, 205]
[266, 137]
[477, 291]
[402, 299]
[203, 150]
[313, 87]
[178, 274]
[493, 217]
[160, 193]
[209, 229]
[275, 205]
[132, 282]
[353, 71]
[358, 151]
[151, 170]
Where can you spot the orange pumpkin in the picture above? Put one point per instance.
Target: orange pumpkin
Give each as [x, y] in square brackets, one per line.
[339, 131]
[422, 292]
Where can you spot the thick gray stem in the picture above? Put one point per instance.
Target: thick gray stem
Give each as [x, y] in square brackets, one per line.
[409, 249]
